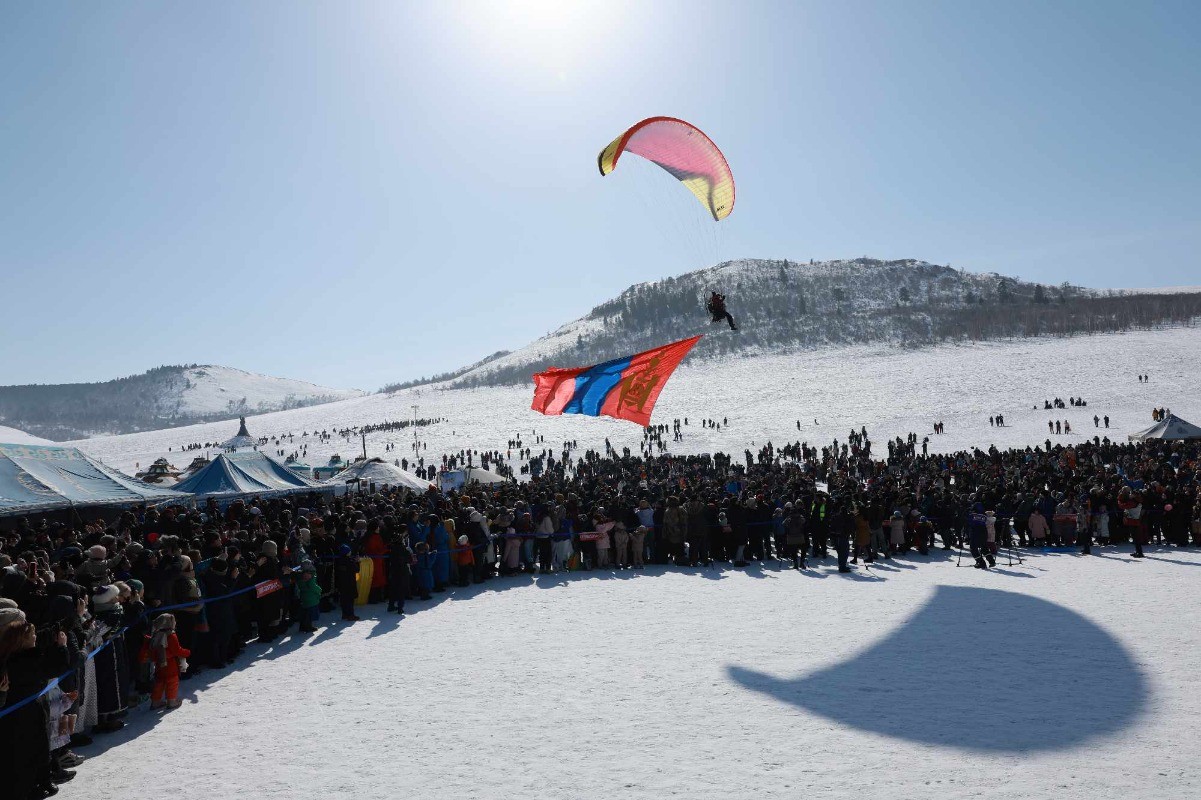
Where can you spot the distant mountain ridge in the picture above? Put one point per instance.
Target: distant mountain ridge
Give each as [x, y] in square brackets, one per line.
[164, 397]
[783, 305]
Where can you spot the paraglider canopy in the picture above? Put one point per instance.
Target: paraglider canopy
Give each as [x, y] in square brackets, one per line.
[685, 152]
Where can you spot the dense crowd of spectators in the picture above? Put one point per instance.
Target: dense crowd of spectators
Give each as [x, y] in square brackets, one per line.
[122, 609]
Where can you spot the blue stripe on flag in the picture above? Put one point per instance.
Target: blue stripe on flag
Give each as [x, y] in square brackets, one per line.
[592, 386]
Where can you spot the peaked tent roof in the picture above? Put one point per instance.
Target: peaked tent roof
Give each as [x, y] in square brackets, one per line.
[244, 473]
[381, 472]
[41, 478]
[243, 438]
[1170, 427]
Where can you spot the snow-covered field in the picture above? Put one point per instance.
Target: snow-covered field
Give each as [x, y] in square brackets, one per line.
[890, 391]
[1067, 676]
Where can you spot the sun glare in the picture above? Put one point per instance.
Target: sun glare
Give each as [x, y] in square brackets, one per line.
[551, 38]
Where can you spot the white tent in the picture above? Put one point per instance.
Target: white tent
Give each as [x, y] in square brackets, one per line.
[1170, 427]
[381, 473]
[458, 478]
[241, 441]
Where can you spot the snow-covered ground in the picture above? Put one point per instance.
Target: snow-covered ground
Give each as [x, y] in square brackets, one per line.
[212, 388]
[1067, 676]
[891, 391]
[15, 436]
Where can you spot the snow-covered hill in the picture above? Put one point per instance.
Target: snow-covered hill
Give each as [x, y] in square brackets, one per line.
[160, 398]
[213, 390]
[785, 306]
[891, 391]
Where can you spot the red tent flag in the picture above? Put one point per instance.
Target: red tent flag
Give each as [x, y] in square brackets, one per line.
[625, 388]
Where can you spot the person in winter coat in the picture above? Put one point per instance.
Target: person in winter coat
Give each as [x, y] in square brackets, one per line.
[977, 533]
[169, 660]
[924, 535]
[222, 623]
[819, 525]
[675, 530]
[25, 763]
[308, 592]
[862, 541]
[795, 544]
[440, 538]
[111, 669]
[424, 571]
[1036, 523]
[464, 558]
[840, 532]
[400, 571]
[268, 608]
[896, 532]
[375, 548]
[346, 582]
[698, 532]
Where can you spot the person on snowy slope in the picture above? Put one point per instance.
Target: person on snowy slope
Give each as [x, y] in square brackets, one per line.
[977, 533]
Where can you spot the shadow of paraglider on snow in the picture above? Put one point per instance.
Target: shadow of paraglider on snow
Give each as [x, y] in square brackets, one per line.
[977, 669]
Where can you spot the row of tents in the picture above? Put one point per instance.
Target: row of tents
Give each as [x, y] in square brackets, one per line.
[39, 478]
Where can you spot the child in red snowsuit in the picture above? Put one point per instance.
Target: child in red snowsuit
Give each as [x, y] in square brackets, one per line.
[162, 648]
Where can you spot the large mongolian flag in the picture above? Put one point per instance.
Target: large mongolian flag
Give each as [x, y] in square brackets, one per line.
[625, 388]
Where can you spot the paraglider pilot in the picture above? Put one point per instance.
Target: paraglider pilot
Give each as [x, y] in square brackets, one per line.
[717, 309]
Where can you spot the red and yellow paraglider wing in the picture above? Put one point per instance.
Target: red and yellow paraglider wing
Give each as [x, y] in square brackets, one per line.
[684, 151]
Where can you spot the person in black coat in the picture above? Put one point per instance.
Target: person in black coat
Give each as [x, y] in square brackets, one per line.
[346, 581]
[25, 764]
[217, 583]
[400, 571]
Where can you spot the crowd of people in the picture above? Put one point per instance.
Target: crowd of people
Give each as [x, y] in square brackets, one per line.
[100, 616]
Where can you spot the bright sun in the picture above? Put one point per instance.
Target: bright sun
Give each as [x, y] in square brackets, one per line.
[550, 37]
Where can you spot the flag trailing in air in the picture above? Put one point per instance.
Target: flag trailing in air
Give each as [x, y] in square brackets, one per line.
[625, 388]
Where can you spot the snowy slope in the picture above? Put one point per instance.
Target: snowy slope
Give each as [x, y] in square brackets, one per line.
[891, 391]
[211, 390]
[15, 436]
[916, 680]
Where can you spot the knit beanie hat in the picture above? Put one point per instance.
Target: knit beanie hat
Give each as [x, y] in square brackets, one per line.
[7, 602]
[11, 616]
[105, 595]
[136, 585]
[97, 552]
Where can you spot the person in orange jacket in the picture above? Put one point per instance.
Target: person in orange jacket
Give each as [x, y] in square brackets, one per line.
[464, 558]
[163, 651]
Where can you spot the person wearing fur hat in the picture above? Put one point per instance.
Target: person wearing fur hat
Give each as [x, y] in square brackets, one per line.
[167, 658]
[97, 570]
[111, 669]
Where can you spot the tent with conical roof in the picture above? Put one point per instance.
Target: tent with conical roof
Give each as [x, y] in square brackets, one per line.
[241, 440]
[36, 478]
[381, 473]
[1170, 427]
[247, 473]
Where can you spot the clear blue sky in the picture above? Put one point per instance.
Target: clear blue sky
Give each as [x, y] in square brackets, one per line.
[355, 193]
